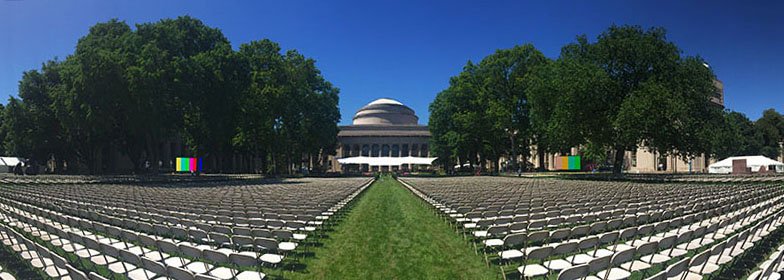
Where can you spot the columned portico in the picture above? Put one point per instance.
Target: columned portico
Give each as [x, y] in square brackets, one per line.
[384, 128]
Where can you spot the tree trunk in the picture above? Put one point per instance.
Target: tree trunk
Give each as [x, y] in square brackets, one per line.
[618, 161]
[540, 154]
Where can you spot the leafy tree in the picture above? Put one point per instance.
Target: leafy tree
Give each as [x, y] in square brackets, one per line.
[488, 108]
[653, 96]
[736, 136]
[771, 127]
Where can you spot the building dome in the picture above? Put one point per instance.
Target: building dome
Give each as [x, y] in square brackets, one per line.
[385, 111]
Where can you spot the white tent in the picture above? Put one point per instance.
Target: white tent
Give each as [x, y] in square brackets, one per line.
[755, 162]
[387, 161]
[7, 164]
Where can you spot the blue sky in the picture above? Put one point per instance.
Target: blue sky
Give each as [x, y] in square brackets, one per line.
[407, 50]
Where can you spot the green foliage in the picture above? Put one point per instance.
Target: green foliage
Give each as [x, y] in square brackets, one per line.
[736, 136]
[485, 108]
[771, 129]
[128, 91]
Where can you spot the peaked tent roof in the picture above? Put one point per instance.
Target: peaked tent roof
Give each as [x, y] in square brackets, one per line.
[755, 162]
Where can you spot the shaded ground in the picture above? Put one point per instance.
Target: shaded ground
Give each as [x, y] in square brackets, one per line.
[391, 234]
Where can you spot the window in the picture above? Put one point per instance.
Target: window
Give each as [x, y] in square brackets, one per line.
[634, 159]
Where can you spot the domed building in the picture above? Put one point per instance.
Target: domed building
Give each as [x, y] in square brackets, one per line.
[384, 135]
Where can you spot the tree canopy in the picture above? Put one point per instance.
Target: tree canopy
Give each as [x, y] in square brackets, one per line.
[630, 88]
[128, 90]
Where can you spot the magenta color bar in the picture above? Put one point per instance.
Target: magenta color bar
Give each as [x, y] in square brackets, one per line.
[192, 164]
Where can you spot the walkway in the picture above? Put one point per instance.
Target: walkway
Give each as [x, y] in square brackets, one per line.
[391, 234]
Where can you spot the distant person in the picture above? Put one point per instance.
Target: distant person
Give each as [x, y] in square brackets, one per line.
[18, 169]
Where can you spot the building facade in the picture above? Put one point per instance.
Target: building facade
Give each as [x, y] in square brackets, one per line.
[382, 128]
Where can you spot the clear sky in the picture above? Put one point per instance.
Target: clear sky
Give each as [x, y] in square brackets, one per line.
[407, 50]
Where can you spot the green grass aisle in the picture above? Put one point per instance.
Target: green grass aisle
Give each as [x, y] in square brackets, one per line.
[391, 234]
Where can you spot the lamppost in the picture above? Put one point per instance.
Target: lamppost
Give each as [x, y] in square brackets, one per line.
[512, 134]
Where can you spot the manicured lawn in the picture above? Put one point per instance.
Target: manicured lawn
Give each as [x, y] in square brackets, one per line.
[391, 234]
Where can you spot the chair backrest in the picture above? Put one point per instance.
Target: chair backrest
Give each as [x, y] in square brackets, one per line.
[190, 251]
[153, 266]
[588, 243]
[537, 236]
[609, 237]
[573, 273]
[514, 239]
[75, 274]
[565, 248]
[243, 260]
[598, 264]
[266, 243]
[648, 248]
[167, 247]
[540, 253]
[215, 256]
[131, 258]
[623, 256]
[677, 268]
[177, 273]
[700, 258]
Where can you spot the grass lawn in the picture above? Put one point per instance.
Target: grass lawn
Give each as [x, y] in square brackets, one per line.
[391, 234]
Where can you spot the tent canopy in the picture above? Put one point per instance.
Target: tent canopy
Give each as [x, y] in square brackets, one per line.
[10, 161]
[755, 162]
[387, 161]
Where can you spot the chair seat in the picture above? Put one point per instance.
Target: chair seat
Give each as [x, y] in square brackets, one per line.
[635, 266]
[121, 267]
[557, 265]
[581, 259]
[224, 273]
[271, 258]
[176, 261]
[531, 270]
[678, 252]
[6, 276]
[287, 246]
[54, 271]
[600, 253]
[615, 274]
[250, 275]
[510, 254]
[99, 260]
[40, 262]
[655, 259]
[199, 267]
[141, 274]
[493, 242]
[156, 256]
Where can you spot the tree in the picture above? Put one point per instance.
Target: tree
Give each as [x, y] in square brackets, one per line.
[653, 97]
[488, 104]
[126, 92]
[736, 136]
[771, 127]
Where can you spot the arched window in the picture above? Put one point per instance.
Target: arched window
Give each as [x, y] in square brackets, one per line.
[385, 150]
[414, 150]
[355, 150]
[346, 150]
[395, 150]
[365, 150]
[375, 150]
[404, 151]
[424, 151]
